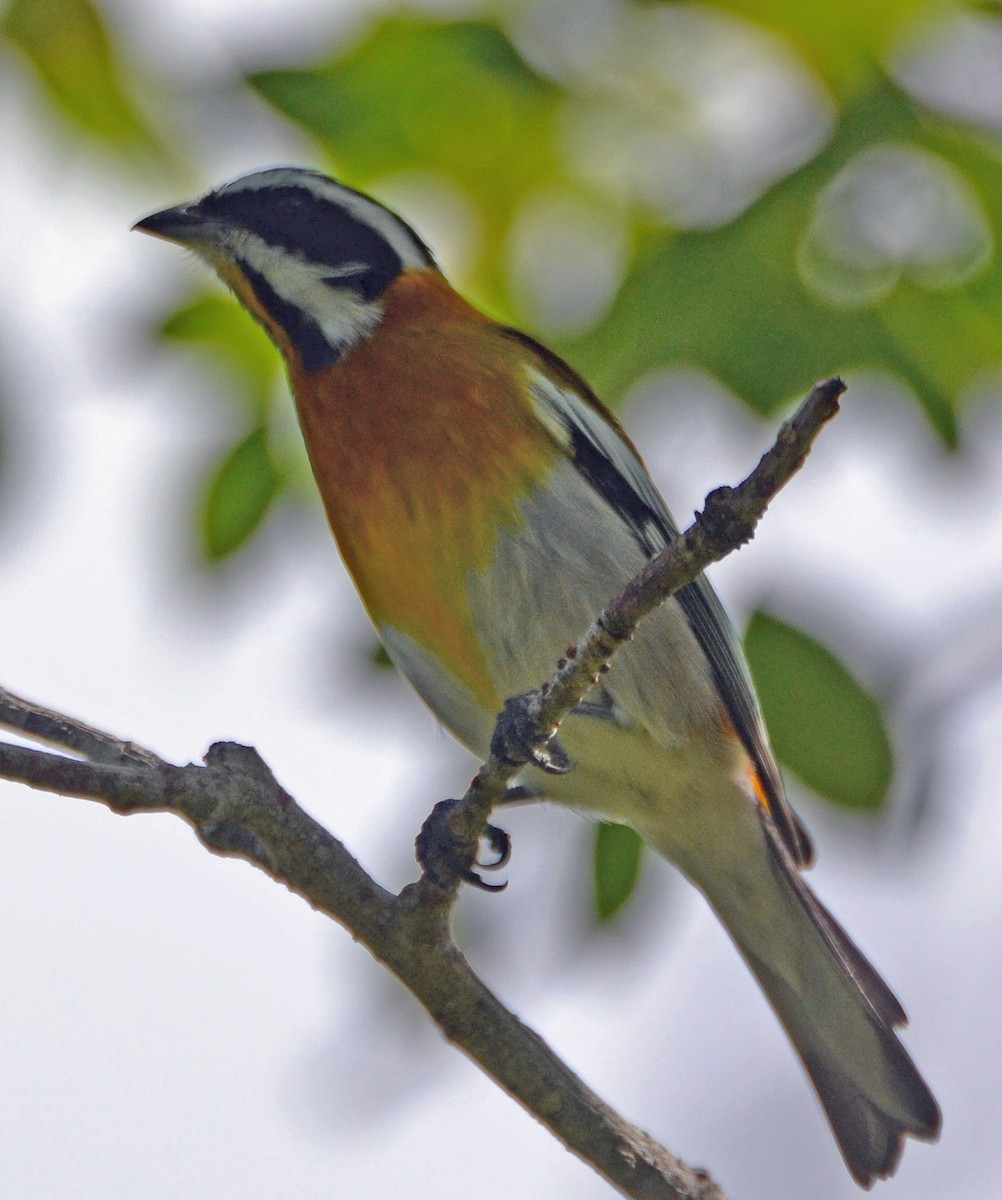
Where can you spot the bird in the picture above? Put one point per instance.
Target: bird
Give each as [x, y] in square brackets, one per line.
[487, 506]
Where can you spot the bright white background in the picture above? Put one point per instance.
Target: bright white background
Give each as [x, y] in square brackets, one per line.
[172, 1024]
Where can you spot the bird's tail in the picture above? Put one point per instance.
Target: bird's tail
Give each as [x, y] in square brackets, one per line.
[839, 1013]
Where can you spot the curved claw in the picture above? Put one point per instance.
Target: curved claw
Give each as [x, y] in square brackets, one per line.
[552, 757]
[501, 845]
[472, 878]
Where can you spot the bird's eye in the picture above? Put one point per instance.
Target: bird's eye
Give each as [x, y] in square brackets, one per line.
[361, 278]
[352, 278]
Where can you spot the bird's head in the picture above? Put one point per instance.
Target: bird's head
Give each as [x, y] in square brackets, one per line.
[307, 256]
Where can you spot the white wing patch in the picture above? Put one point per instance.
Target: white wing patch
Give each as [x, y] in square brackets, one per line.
[575, 423]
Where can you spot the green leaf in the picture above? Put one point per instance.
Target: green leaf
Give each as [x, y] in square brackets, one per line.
[823, 724]
[232, 340]
[239, 495]
[454, 96]
[379, 658]
[618, 852]
[71, 51]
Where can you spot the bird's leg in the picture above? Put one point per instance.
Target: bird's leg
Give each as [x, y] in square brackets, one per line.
[445, 855]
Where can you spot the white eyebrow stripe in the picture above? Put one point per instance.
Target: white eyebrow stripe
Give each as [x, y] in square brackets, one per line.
[412, 252]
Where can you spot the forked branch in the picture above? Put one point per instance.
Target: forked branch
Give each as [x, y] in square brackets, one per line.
[238, 808]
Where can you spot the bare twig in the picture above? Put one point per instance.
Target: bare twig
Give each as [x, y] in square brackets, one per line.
[45, 725]
[237, 808]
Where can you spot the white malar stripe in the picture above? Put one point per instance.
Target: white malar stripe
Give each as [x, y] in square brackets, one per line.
[341, 315]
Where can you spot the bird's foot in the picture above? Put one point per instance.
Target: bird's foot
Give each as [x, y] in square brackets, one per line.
[446, 855]
[518, 741]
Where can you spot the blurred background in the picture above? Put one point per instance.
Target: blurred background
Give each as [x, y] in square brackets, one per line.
[704, 207]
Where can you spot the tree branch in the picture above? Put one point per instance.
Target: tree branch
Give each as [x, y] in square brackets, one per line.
[238, 808]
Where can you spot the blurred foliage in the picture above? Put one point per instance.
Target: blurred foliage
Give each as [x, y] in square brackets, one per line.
[824, 726]
[379, 658]
[238, 347]
[842, 41]
[453, 98]
[849, 224]
[68, 45]
[733, 299]
[740, 307]
[616, 867]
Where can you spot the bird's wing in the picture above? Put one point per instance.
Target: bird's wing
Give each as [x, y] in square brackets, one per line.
[607, 460]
